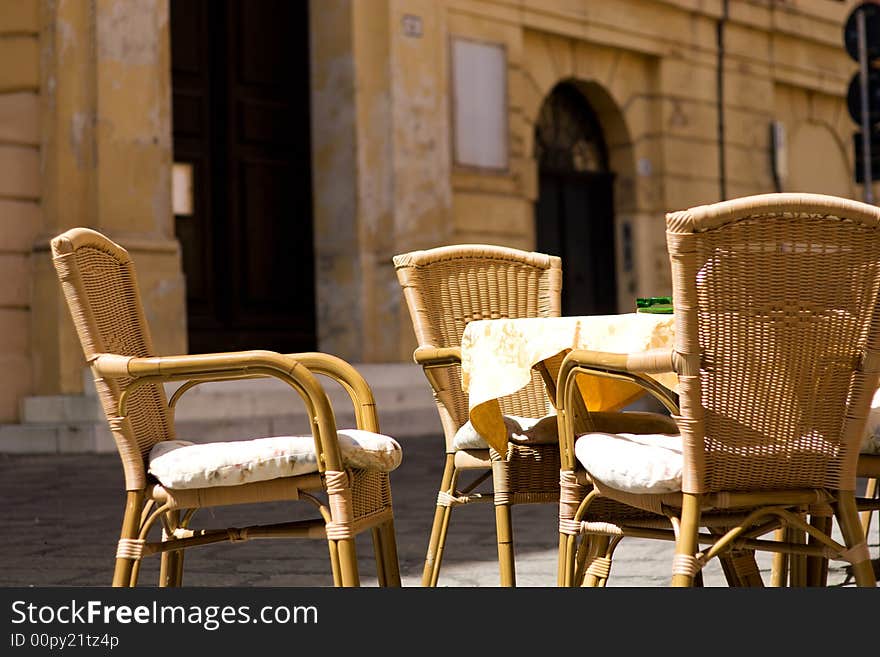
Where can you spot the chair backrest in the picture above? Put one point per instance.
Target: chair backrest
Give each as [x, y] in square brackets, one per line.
[776, 334]
[449, 286]
[99, 283]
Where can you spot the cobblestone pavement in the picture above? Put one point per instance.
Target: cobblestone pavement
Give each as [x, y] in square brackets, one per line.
[61, 516]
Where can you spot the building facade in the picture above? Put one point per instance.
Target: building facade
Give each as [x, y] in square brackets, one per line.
[263, 161]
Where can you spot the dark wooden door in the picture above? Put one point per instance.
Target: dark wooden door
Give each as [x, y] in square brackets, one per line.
[574, 214]
[240, 85]
[575, 219]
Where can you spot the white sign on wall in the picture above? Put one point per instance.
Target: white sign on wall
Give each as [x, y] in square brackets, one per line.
[479, 97]
[182, 188]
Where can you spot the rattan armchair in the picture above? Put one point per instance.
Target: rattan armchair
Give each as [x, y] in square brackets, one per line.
[445, 288]
[343, 474]
[777, 330]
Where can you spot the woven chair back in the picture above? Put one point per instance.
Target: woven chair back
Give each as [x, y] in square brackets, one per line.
[776, 334]
[447, 287]
[99, 283]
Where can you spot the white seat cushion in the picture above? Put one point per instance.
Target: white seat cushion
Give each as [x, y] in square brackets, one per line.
[636, 463]
[523, 430]
[652, 463]
[182, 464]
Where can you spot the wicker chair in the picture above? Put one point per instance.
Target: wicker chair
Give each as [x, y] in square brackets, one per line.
[344, 475]
[445, 288]
[777, 329]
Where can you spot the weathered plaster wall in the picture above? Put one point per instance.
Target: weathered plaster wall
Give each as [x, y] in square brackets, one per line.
[106, 160]
[19, 194]
[381, 170]
[334, 179]
[816, 122]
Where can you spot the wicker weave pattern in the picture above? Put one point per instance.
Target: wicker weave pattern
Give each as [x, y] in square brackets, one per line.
[112, 295]
[448, 287]
[99, 283]
[783, 308]
[371, 493]
[528, 473]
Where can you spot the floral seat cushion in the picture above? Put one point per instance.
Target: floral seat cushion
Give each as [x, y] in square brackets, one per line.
[523, 430]
[182, 464]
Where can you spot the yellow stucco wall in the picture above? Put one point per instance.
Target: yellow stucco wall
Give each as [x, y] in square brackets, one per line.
[106, 159]
[19, 193]
[85, 140]
[73, 151]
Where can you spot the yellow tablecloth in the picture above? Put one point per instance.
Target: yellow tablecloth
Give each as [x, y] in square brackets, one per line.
[497, 356]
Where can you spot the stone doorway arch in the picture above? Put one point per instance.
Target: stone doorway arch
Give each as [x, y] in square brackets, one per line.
[574, 212]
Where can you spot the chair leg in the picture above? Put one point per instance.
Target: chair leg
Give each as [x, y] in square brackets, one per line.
[178, 581]
[504, 534]
[568, 547]
[431, 571]
[817, 567]
[847, 516]
[389, 554]
[131, 521]
[348, 565]
[741, 568]
[379, 555]
[683, 567]
[797, 563]
[169, 568]
[595, 548]
[779, 568]
[170, 562]
[385, 551]
[503, 521]
[562, 564]
[442, 513]
[334, 563]
[870, 493]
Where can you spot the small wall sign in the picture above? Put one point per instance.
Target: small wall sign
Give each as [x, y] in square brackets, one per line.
[411, 25]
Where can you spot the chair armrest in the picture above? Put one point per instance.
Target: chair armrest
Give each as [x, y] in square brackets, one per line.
[573, 418]
[437, 356]
[439, 367]
[644, 362]
[348, 377]
[630, 367]
[228, 366]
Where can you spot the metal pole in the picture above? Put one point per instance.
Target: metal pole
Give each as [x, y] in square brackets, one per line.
[866, 119]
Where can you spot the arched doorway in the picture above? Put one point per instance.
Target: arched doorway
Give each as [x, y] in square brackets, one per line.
[574, 213]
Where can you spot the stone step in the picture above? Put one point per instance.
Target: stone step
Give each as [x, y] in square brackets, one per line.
[232, 410]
